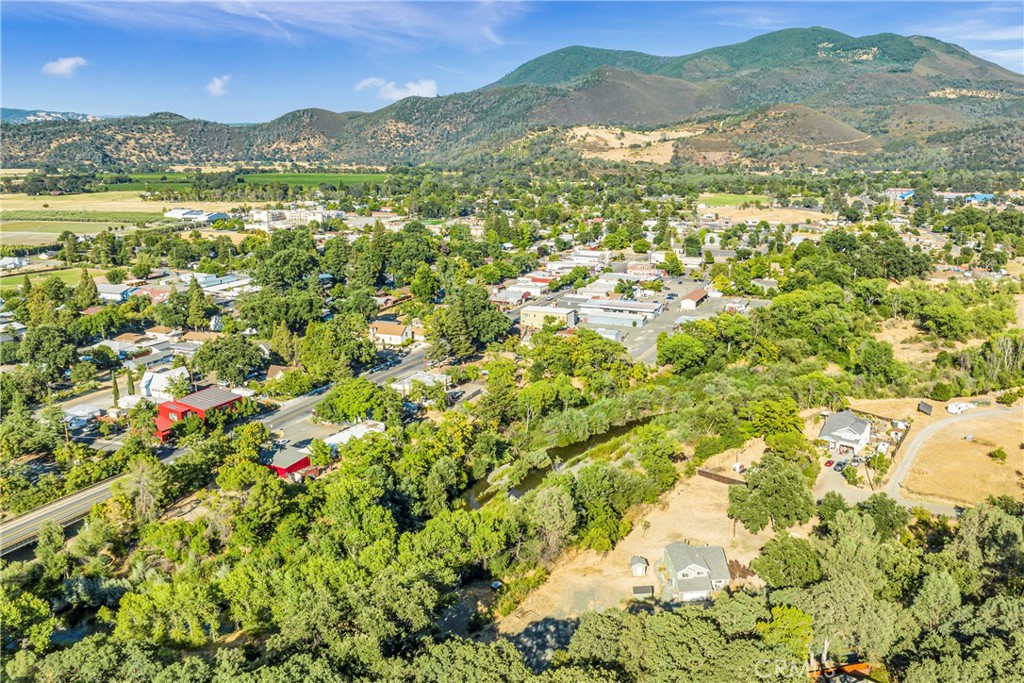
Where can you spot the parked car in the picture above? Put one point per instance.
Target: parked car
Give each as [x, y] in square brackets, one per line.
[829, 463]
[839, 466]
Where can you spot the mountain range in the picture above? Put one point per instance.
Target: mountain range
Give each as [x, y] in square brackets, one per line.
[8, 115]
[811, 97]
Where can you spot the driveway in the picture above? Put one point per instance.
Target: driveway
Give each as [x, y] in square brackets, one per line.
[833, 481]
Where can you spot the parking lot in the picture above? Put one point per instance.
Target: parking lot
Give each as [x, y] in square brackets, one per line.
[642, 342]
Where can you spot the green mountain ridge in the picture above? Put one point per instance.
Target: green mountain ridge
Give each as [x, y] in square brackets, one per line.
[901, 91]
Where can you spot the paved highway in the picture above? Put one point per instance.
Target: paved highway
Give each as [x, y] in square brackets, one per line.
[22, 530]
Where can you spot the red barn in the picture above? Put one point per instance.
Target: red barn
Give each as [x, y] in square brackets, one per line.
[200, 403]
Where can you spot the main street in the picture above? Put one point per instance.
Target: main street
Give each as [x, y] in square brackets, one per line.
[289, 419]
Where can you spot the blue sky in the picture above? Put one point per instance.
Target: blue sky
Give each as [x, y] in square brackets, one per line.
[236, 61]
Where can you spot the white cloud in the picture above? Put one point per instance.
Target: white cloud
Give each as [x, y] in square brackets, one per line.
[395, 23]
[973, 29]
[218, 85]
[64, 67]
[389, 90]
[1010, 58]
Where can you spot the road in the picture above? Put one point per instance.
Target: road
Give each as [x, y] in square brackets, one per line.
[291, 416]
[833, 481]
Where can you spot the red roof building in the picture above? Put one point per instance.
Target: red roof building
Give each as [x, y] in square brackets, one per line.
[201, 403]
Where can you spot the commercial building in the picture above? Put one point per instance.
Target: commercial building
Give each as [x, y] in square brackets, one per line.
[535, 316]
[691, 301]
[201, 403]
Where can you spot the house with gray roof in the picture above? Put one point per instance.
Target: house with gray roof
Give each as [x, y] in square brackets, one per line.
[845, 433]
[695, 571]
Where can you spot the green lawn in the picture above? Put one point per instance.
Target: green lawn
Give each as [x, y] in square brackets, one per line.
[69, 276]
[725, 199]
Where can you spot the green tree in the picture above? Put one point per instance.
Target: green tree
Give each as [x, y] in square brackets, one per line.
[789, 627]
[86, 293]
[787, 561]
[776, 494]
[49, 349]
[232, 357]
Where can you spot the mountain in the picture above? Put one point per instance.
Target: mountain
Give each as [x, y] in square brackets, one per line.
[8, 115]
[883, 99]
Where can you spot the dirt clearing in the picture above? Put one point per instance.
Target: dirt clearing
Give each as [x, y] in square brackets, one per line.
[693, 511]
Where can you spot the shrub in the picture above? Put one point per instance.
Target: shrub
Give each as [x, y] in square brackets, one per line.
[999, 455]
[942, 392]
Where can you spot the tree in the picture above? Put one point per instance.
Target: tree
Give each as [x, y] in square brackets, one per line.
[775, 494]
[285, 343]
[48, 348]
[116, 276]
[232, 357]
[890, 517]
[425, 285]
[682, 351]
[86, 293]
[199, 309]
[130, 377]
[115, 390]
[789, 627]
[787, 561]
[553, 512]
[25, 618]
[320, 454]
[146, 482]
[936, 600]
[179, 386]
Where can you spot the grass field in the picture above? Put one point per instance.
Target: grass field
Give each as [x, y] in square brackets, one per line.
[78, 216]
[57, 227]
[69, 276]
[725, 199]
[314, 179]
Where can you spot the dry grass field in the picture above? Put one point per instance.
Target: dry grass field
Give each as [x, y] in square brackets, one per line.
[774, 216]
[951, 468]
[127, 200]
[616, 144]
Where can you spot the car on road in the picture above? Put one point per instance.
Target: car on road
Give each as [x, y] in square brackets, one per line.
[829, 463]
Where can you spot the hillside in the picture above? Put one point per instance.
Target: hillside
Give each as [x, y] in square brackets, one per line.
[802, 96]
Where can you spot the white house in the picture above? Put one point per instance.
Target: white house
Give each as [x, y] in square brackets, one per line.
[116, 293]
[389, 333]
[12, 262]
[695, 572]
[156, 383]
[845, 433]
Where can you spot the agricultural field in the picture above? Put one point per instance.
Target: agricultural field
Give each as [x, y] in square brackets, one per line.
[314, 179]
[70, 276]
[35, 232]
